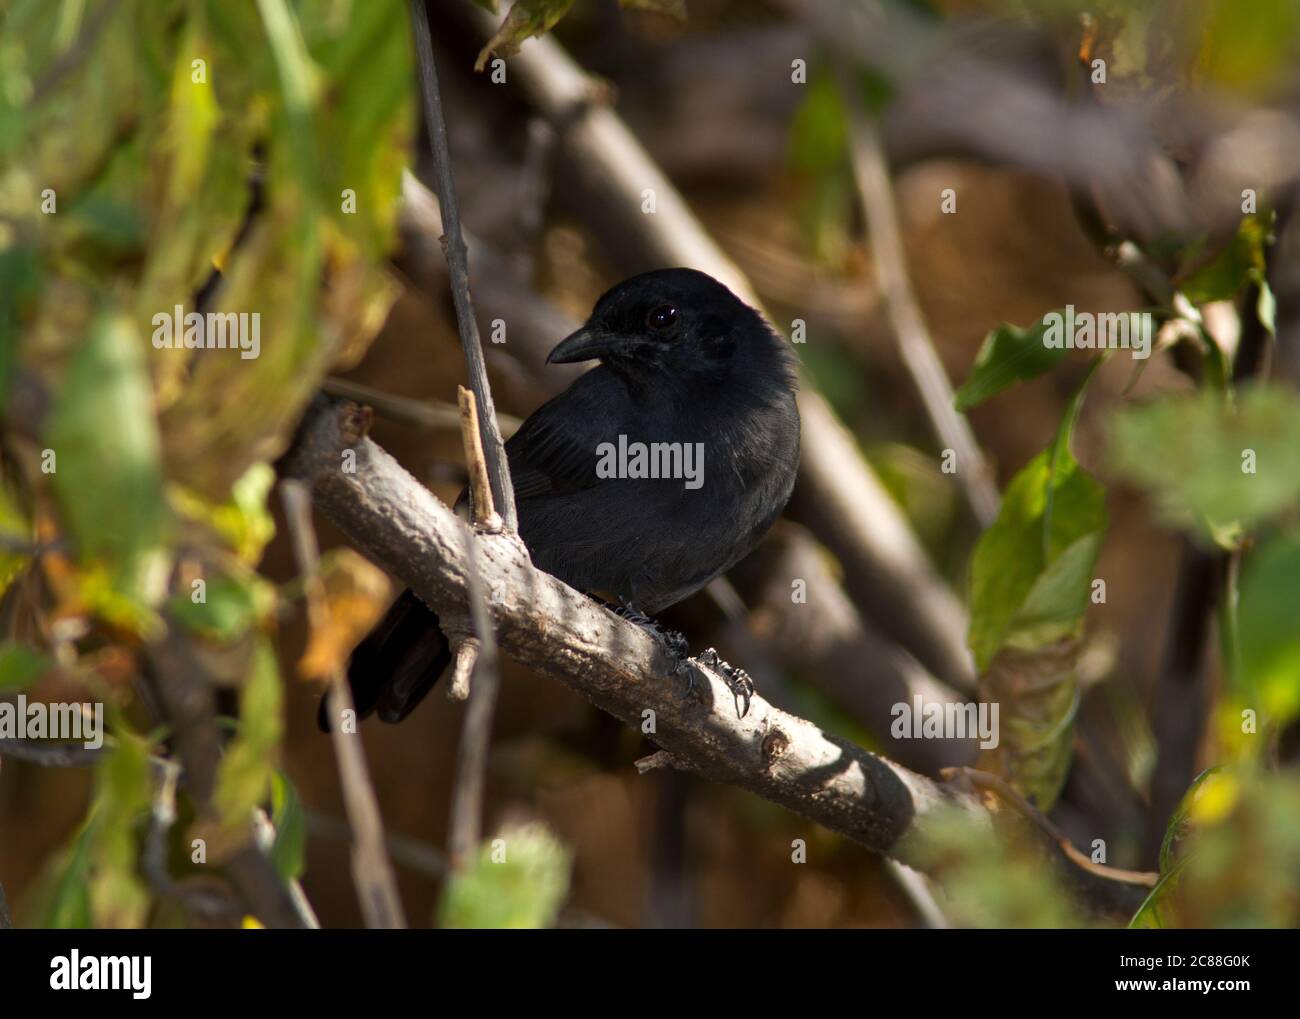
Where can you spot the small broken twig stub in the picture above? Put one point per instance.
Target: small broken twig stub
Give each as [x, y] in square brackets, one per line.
[480, 488]
[466, 657]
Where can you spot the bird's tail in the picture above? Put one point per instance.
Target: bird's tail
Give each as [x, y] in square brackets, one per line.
[397, 663]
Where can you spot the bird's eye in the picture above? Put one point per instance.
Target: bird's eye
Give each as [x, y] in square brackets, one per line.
[661, 317]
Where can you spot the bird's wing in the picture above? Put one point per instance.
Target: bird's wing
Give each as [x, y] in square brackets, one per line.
[547, 458]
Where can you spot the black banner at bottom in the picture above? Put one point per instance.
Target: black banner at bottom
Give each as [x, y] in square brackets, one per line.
[148, 969]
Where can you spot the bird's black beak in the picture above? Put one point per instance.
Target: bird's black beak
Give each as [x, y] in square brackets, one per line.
[584, 345]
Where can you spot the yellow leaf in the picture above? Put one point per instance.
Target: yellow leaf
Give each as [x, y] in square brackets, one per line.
[1215, 799]
[355, 595]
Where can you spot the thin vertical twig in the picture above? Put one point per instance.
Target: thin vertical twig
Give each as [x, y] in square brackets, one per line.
[915, 346]
[371, 869]
[485, 454]
[453, 242]
[476, 657]
[6, 921]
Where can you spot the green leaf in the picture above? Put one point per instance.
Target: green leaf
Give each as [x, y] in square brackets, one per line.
[1209, 467]
[230, 607]
[1243, 853]
[818, 133]
[1245, 47]
[243, 521]
[245, 774]
[1156, 908]
[1242, 260]
[1266, 307]
[288, 853]
[1031, 571]
[526, 19]
[1030, 579]
[519, 880]
[20, 666]
[68, 904]
[1268, 637]
[249, 523]
[123, 790]
[14, 526]
[819, 158]
[1178, 826]
[1008, 355]
[106, 470]
[1155, 911]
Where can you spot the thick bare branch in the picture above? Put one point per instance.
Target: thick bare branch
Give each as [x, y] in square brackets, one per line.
[558, 632]
[619, 667]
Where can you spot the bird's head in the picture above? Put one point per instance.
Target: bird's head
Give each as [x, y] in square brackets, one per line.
[680, 324]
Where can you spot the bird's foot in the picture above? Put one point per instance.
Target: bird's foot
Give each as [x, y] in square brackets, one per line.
[737, 680]
[673, 641]
[679, 650]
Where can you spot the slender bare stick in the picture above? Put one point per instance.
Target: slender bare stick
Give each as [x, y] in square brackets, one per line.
[264, 832]
[914, 343]
[6, 922]
[432, 414]
[50, 755]
[371, 870]
[485, 453]
[1004, 790]
[407, 852]
[458, 265]
[476, 659]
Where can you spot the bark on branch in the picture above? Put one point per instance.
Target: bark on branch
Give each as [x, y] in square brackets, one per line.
[556, 631]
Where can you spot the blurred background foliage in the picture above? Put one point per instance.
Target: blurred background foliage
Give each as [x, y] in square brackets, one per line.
[235, 157]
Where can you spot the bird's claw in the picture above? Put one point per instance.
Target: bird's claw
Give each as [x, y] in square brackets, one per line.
[737, 680]
[674, 642]
[679, 651]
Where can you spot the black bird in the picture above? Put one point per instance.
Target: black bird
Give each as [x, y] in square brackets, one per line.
[684, 364]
